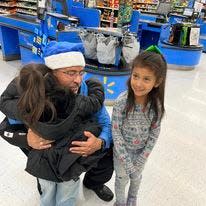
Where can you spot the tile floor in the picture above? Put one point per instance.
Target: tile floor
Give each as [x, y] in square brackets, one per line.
[175, 174]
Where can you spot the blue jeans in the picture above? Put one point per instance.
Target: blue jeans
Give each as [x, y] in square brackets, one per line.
[121, 180]
[59, 194]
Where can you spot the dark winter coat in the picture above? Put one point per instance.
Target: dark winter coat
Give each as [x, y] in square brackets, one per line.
[73, 117]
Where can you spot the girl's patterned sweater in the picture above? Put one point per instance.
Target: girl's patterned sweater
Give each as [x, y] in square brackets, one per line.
[136, 133]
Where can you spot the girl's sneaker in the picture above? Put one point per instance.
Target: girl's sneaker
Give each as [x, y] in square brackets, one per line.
[131, 201]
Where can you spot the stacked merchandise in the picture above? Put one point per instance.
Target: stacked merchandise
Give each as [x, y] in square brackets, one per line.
[184, 35]
[125, 12]
[204, 9]
[89, 3]
[7, 6]
[178, 6]
[145, 5]
[106, 12]
[109, 12]
[27, 7]
[114, 4]
[115, 13]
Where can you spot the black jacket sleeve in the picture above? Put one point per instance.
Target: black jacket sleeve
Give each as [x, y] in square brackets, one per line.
[15, 134]
[8, 101]
[92, 103]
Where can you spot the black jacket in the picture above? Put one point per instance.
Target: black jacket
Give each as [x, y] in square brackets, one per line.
[73, 117]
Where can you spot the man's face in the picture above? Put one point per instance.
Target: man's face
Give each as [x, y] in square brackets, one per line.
[70, 77]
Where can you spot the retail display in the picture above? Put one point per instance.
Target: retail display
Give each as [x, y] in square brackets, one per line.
[109, 12]
[184, 34]
[7, 6]
[20, 6]
[178, 6]
[145, 5]
[125, 13]
[27, 7]
[115, 13]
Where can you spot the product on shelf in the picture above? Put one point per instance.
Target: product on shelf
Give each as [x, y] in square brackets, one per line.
[7, 6]
[111, 19]
[27, 7]
[19, 6]
[145, 5]
[125, 12]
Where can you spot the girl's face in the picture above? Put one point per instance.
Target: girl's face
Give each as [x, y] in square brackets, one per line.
[142, 82]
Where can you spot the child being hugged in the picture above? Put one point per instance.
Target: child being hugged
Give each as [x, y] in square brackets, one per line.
[136, 120]
[60, 116]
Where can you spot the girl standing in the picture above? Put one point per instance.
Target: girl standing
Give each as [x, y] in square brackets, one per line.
[136, 119]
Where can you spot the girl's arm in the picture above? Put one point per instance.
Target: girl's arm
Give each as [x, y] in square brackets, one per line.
[119, 143]
[13, 131]
[94, 101]
[14, 134]
[8, 101]
[151, 141]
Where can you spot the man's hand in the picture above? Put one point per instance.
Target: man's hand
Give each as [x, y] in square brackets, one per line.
[88, 147]
[37, 142]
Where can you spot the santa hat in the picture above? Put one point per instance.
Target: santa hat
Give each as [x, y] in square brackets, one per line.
[64, 54]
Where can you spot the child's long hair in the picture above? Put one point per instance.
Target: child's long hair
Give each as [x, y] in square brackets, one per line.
[156, 63]
[33, 81]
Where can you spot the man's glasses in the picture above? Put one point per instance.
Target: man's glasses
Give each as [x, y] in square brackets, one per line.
[74, 73]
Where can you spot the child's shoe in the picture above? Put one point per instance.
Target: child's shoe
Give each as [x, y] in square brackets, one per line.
[131, 201]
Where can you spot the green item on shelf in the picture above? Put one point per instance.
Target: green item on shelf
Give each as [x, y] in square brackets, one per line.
[153, 48]
[125, 12]
[183, 36]
[128, 11]
[120, 13]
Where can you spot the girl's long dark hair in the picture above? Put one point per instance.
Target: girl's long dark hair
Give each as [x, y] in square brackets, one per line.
[33, 81]
[156, 63]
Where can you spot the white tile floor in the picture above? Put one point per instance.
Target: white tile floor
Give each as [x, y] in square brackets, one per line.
[175, 174]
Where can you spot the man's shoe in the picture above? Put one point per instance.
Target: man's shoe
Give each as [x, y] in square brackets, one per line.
[104, 193]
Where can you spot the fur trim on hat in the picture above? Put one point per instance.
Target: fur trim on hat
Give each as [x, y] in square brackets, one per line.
[63, 60]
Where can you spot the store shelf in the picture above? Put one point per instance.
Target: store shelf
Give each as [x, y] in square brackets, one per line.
[27, 7]
[104, 20]
[106, 13]
[32, 1]
[145, 3]
[7, 7]
[147, 8]
[22, 11]
[110, 8]
[4, 4]
[19, 6]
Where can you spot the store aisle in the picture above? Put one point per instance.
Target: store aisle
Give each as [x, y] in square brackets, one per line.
[175, 172]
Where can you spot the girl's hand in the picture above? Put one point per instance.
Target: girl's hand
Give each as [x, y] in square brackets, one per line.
[37, 142]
